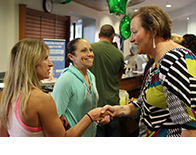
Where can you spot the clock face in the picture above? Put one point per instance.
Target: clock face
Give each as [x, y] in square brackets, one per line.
[47, 4]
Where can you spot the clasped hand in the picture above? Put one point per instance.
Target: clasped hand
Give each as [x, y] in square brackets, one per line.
[103, 115]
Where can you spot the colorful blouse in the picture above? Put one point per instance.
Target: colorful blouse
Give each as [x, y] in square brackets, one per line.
[167, 103]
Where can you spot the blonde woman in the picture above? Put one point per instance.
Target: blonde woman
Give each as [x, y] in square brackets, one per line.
[25, 110]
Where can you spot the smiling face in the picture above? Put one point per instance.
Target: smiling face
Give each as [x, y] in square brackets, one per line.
[141, 37]
[43, 68]
[83, 57]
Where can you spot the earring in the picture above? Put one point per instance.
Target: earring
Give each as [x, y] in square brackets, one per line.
[154, 46]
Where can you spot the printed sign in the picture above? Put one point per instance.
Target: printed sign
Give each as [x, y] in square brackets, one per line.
[57, 56]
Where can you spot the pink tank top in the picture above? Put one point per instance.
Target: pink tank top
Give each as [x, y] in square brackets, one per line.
[16, 128]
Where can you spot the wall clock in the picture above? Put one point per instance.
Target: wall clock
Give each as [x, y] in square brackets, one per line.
[47, 5]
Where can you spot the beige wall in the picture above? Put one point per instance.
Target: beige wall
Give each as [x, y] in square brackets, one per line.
[8, 28]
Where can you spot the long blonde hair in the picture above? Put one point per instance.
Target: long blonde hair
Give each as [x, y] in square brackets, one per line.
[21, 75]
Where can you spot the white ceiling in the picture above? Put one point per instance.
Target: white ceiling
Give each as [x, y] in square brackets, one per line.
[176, 5]
[101, 5]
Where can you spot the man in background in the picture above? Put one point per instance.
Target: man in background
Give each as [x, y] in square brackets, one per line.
[108, 68]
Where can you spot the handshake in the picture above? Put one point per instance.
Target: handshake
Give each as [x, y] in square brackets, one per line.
[103, 115]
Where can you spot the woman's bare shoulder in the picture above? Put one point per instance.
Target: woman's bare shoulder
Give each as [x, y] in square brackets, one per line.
[39, 95]
[40, 98]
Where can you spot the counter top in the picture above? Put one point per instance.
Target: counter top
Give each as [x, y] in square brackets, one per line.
[129, 76]
[1, 85]
[42, 84]
[132, 84]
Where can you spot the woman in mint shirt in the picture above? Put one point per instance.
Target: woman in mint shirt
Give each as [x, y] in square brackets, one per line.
[75, 90]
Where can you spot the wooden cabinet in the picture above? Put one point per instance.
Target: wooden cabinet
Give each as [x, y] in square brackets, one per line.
[42, 25]
[132, 85]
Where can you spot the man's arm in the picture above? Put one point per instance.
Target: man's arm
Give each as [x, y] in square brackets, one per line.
[119, 76]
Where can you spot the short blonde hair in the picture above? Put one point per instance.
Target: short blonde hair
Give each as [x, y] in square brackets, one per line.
[152, 17]
[176, 38]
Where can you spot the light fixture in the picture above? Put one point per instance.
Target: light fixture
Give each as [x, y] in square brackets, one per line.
[187, 18]
[136, 10]
[168, 5]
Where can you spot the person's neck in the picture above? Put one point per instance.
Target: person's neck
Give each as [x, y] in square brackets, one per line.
[105, 39]
[83, 71]
[131, 54]
[163, 47]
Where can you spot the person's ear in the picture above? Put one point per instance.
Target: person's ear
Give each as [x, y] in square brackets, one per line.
[112, 38]
[154, 30]
[71, 57]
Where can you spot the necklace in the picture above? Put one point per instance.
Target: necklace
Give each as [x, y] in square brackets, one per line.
[165, 51]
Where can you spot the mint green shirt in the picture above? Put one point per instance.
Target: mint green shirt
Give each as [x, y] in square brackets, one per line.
[74, 99]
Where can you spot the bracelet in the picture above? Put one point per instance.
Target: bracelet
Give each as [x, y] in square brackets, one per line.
[121, 107]
[90, 117]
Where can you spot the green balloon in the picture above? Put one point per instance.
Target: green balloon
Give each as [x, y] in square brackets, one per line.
[124, 27]
[118, 6]
[65, 1]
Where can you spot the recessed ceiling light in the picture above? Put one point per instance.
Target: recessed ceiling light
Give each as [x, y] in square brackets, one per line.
[187, 18]
[168, 6]
[136, 10]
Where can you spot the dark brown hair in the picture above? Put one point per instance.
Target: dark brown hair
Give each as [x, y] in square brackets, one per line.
[71, 47]
[107, 31]
[189, 42]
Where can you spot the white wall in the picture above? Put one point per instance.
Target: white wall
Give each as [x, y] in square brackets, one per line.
[183, 27]
[106, 18]
[192, 25]
[89, 29]
[179, 27]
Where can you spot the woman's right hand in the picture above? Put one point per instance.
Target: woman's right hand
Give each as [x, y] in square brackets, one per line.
[110, 109]
[100, 117]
